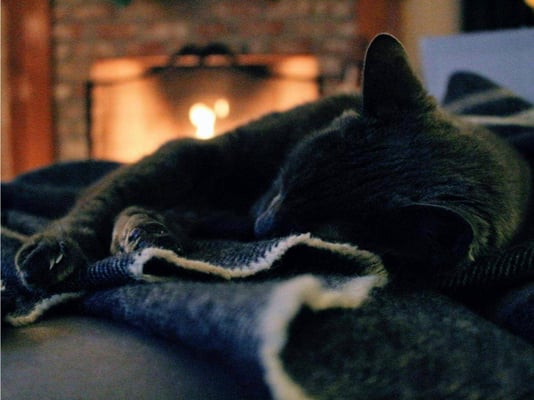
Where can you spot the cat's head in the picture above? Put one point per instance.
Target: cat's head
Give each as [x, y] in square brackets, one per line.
[395, 177]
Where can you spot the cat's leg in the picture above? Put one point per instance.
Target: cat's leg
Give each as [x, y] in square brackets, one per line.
[175, 174]
[137, 228]
[230, 171]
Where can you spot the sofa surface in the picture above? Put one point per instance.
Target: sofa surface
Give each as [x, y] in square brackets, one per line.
[74, 357]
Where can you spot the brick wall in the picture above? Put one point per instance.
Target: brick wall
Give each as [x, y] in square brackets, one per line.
[86, 30]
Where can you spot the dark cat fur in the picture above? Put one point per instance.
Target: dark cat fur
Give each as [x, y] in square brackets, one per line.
[395, 175]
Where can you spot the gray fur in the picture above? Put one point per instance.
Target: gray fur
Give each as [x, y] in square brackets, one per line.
[395, 174]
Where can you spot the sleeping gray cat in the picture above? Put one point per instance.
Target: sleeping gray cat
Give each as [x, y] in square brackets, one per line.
[389, 171]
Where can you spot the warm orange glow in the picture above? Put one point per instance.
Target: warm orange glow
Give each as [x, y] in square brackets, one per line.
[131, 116]
[203, 117]
[221, 108]
[530, 3]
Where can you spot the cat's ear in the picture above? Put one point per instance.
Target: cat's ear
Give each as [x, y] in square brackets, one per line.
[434, 234]
[390, 87]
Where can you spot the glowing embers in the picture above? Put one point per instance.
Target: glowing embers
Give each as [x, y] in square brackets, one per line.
[204, 118]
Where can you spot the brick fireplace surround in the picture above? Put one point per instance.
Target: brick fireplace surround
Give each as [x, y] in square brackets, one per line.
[88, 30]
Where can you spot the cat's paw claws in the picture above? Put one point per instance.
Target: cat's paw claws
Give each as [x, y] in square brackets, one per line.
[55, 261]
[44, 262]
[136, 228]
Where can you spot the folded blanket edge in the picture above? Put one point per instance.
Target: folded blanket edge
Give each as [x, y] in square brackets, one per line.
[284, 305]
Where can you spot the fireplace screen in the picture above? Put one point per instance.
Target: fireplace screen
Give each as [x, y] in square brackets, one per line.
[136, 104]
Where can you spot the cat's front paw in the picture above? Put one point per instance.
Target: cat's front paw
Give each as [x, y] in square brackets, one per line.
[136, 228]
[45, 261]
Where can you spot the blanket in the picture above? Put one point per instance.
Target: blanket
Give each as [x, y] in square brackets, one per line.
[299, 317]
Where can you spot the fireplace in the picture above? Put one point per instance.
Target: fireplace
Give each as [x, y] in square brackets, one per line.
[135, 104]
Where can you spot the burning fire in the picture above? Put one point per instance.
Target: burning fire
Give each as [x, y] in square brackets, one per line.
[204, 117]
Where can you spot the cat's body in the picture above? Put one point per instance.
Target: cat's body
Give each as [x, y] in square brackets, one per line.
[394, 174]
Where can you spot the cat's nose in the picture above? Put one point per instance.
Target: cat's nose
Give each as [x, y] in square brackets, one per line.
[266, 223]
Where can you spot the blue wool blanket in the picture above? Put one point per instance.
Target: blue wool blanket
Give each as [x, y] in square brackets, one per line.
[299, 317]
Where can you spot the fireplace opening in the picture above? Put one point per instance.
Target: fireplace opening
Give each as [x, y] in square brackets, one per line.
[135, 104]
